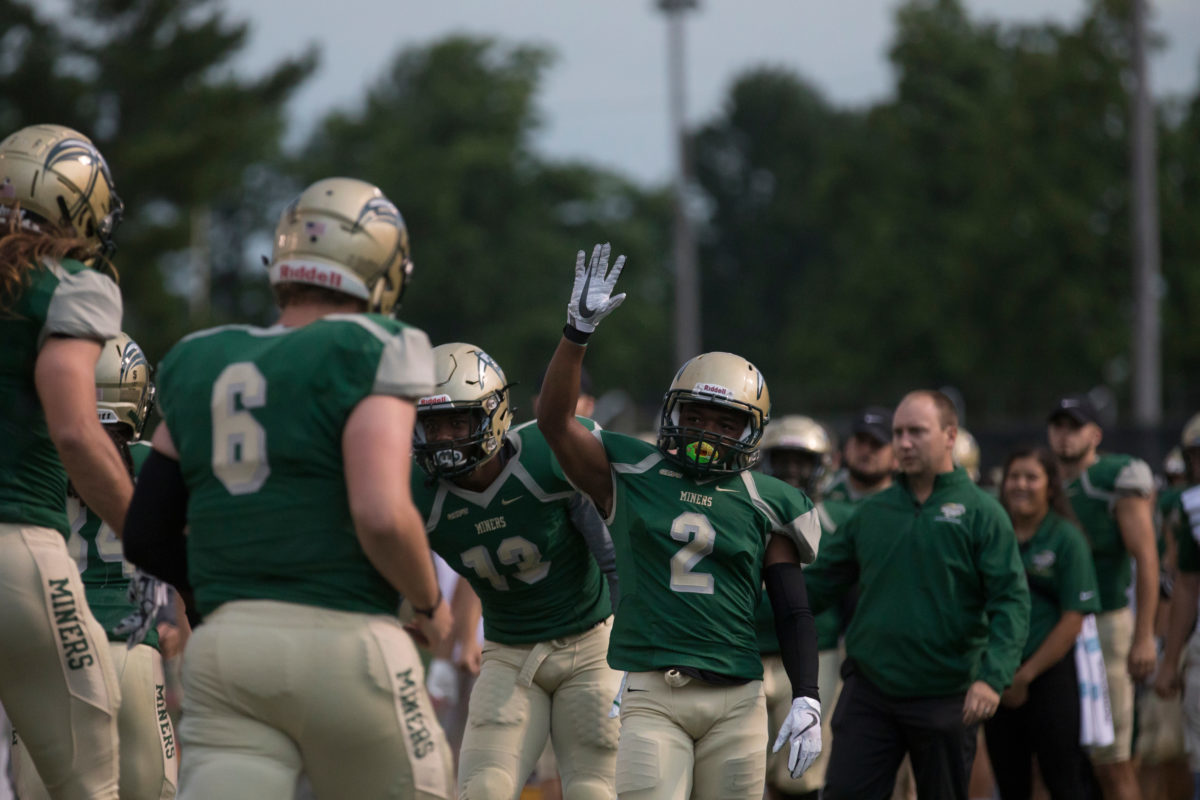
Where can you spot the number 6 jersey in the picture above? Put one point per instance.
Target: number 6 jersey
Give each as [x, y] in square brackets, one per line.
[257, 417]
[690, 557]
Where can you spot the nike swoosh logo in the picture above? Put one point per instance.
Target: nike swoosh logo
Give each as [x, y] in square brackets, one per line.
[722, 489]
[1086, 595]
[584, 311]
[509, 500]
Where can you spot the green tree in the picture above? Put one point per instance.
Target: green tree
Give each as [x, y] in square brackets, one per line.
[447, 134]
[151, 82]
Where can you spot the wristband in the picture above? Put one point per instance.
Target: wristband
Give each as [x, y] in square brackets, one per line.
[574, 335]
[428, 612]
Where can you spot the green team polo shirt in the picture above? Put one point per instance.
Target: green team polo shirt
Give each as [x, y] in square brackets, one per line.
[943, 600]
[1061, 577]
[1094, 495]
[58, 299]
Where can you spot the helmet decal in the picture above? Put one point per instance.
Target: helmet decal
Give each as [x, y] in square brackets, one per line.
[132, 358]
[483, 362]
[71, 149]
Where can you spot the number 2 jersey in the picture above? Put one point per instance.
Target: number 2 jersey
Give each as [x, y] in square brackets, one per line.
[518, 546]
[257, 417]
[102, 566]
[689, 559]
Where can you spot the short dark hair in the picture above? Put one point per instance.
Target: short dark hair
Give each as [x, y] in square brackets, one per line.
[294, 293]
[947, 413]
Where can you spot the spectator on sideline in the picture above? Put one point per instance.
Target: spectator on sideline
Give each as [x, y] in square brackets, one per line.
[1113, 497]
[1039, 711]
[940, 622]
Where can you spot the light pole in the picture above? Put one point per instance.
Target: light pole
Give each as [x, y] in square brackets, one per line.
[687, 281]
[1147, 335]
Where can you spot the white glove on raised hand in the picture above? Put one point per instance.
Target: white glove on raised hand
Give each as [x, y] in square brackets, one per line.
[591, 297]
[803, 728]
[149, 595]
[442, 682]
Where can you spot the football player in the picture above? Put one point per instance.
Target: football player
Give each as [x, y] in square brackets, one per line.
[696, 532]
[797, 450]
[59, 303]
[285, 451]
[1113, 497]
[148, 757]
[499, 511]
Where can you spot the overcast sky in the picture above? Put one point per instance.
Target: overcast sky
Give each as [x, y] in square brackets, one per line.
[604, 99]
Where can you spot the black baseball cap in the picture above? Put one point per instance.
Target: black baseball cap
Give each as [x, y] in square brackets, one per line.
[876, 422]
[1078, 407]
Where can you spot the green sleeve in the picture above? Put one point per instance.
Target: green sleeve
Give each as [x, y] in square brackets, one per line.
[998, 561]
[836, 567]
[1078, 589]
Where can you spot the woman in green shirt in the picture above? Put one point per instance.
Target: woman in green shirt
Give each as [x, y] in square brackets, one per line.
[1039, 711]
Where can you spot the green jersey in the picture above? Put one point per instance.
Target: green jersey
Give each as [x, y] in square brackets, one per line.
[943, 599]
[1187, 529]
[102, 566]
[517, 545]
[257, 417]
[1061, 577]
[58, 299]
[1094, 495]
[689, 558]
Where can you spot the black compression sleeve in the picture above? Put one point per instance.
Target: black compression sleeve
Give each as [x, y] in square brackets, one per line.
[153, 537]
[794, 626]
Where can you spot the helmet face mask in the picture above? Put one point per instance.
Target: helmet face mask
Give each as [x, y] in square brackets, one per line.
[720, 382]
[470, 388]
[124, 391]
[798, 450]
[57, 176]
[344, 235]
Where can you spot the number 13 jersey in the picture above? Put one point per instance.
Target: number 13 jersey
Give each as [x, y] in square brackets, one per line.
[690, 557]
[257, 417]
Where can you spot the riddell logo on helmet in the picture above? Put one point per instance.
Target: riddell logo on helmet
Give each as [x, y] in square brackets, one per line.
[712, 388]
[310, 274]
[434, 400]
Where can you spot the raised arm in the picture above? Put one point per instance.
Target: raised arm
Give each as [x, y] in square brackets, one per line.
[582, 456]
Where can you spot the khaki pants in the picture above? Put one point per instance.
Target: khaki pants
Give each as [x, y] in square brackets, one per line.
[149, 759]
[274, 688]
[683, 738]
[1115, 629]
[1191, 703]
[56, 676]
[778, 691]
[563, 688]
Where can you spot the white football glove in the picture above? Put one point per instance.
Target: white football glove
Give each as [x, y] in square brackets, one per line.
[442, 681]
[803, 728]
[591, 297]
[149, 595]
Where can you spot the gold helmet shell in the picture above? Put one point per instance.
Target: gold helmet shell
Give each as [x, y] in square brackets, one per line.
[344, 234]
[58, 176]
[966, 453]
[1191, 433]
[718, 379]
[466, 379]
[124, 392]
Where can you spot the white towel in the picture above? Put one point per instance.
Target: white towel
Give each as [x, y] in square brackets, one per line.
[1095, 712]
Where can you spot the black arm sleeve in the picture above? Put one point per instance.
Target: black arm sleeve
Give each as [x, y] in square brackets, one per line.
[794, 626]
[153, 539]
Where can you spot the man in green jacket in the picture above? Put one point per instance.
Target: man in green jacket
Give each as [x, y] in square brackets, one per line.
[941, 619]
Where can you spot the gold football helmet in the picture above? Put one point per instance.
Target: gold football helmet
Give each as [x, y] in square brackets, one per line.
[1191, 433]
[716, 379]
[58, 176]
[467, 379]
[810, 446]
[124, 392]
[966, 453]
[344, 235]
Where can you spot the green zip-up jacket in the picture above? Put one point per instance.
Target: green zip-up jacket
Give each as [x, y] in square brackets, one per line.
[943, 600]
